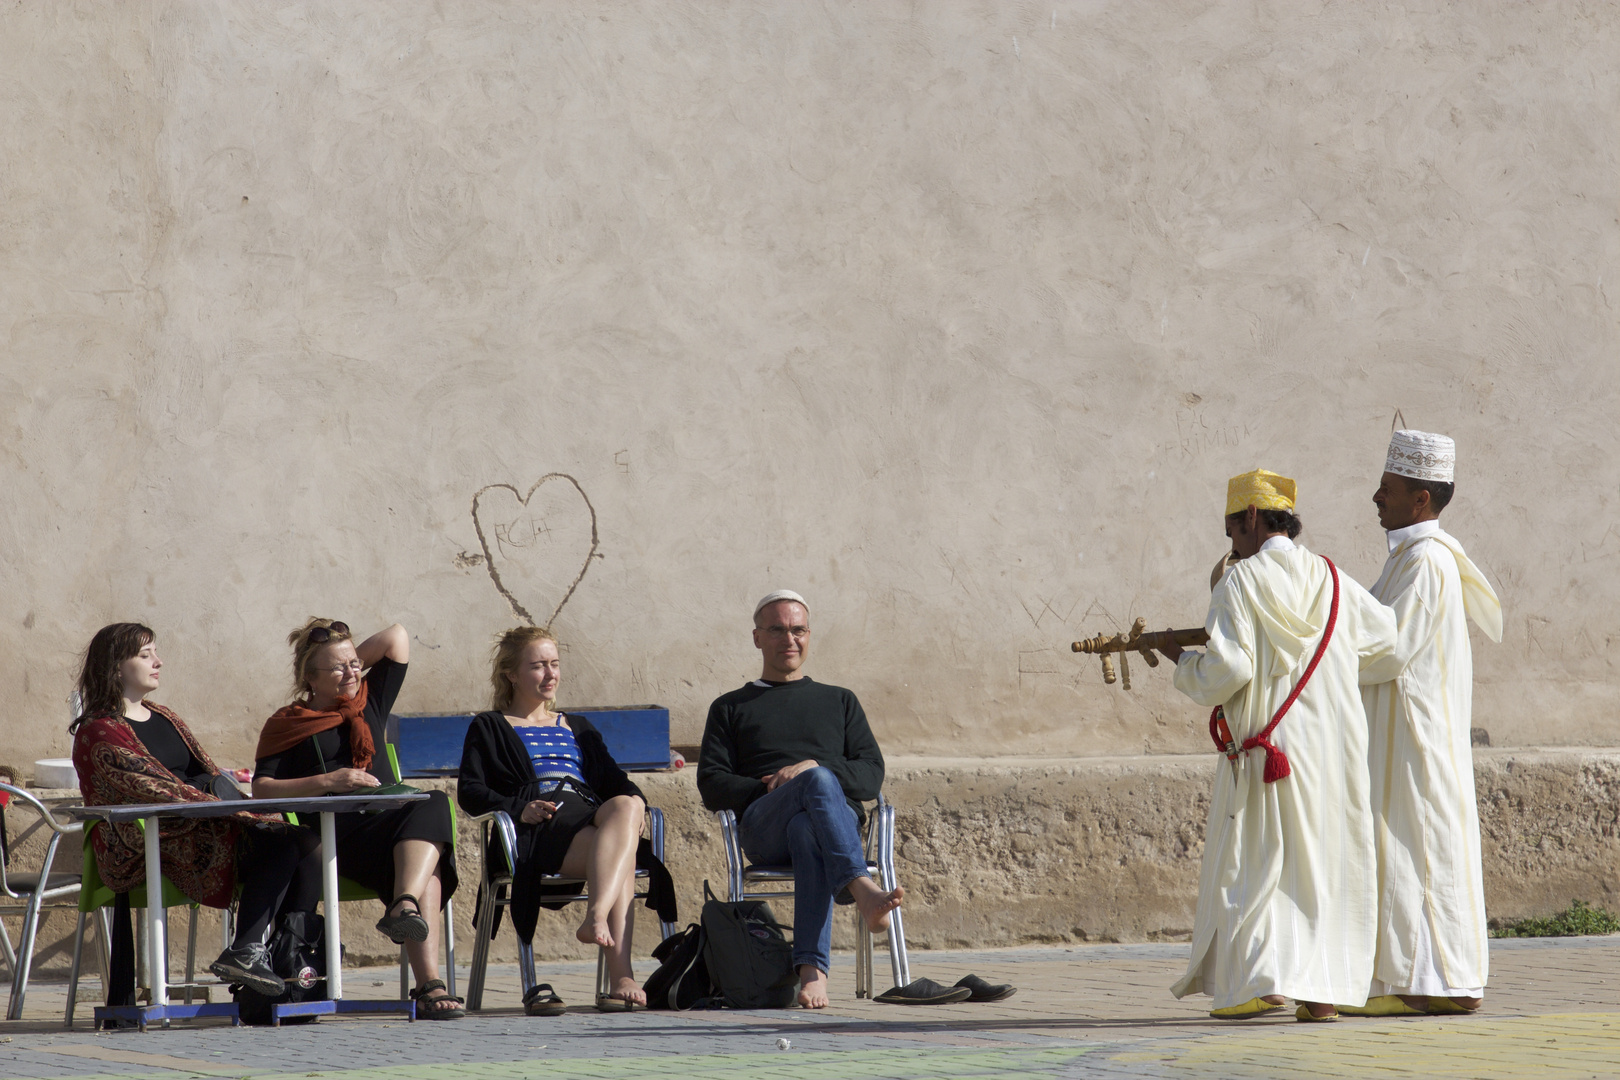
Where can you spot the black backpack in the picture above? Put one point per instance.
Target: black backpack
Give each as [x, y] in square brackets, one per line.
[682, 979]
[298, 955]
[747, 954]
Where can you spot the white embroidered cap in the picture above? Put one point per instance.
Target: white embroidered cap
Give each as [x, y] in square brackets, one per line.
[1422, 456]
[778, 595]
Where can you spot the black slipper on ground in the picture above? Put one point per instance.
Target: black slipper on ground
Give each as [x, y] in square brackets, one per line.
[979, 990]
[924, 992]
[407, 925]
[542, 1000]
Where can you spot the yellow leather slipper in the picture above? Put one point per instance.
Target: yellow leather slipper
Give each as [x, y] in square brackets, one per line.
[1305, 1016]
[1246, 1011]
[1384, 1005]
[1444, 1006]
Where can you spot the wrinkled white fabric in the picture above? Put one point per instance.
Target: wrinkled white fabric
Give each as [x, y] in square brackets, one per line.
[1427, 979]
[1286, 898]
[1432, 936]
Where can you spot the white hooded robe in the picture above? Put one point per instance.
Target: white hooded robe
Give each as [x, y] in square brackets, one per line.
[1432, 937]
[1286, 897]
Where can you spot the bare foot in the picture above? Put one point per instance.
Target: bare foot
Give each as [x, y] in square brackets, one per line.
[591, 932]
[1415, 1001]
[1275, 999]
[1470, 1003]
[626, 989]
[1319, 1009]
[875, 904]
[812, 987]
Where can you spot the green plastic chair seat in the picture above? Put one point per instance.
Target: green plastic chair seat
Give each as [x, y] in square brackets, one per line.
[95, 893]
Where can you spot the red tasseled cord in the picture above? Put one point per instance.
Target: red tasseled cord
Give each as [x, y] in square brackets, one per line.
[1276, 762]
[1277, 765]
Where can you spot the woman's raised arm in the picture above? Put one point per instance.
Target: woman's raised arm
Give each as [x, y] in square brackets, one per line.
[393, 643]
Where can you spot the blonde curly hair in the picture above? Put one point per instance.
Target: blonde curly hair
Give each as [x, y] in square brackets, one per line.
[508, 650]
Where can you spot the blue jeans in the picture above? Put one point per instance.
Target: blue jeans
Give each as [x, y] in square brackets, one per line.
[806, 823]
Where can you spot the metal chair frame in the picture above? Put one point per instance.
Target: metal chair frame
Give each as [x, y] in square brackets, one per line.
[741, 879]
[31, 893]
[497, 892]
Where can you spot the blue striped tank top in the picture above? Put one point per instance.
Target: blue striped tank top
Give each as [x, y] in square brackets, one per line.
[553, 750]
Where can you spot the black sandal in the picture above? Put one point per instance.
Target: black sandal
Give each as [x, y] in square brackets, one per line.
[409, 926]
[542, 1000]
[428, 1008]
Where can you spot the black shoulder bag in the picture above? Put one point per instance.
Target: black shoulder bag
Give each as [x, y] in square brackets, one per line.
[747, 954]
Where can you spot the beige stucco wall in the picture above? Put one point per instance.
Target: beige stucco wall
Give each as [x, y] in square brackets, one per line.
[954, 316]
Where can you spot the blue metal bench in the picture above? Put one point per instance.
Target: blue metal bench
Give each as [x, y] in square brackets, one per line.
[429, 744]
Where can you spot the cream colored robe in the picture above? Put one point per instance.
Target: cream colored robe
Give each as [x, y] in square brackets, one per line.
[1286, 898]
[1432, 936]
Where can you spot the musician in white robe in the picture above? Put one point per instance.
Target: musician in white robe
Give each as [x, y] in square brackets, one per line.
[1286, 903]
[1433, 947]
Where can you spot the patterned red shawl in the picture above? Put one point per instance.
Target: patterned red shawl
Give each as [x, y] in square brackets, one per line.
[292, 724]
[198, 855]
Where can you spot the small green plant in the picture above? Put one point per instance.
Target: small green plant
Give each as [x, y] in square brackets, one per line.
[1575, 920]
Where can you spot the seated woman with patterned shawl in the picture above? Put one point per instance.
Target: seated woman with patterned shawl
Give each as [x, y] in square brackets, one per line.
[130, 750]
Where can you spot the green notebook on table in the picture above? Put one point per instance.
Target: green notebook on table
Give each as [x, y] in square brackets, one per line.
[386, 789]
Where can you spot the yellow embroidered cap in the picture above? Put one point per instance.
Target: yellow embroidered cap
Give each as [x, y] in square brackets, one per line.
[1260, 489]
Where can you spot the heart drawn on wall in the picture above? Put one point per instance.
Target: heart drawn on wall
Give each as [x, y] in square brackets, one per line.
[539, 544]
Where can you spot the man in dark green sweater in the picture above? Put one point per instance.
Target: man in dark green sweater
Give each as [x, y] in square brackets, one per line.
[794, 759]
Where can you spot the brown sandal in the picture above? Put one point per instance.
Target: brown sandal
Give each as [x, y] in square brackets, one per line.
[542, 1000]
[426, 1007]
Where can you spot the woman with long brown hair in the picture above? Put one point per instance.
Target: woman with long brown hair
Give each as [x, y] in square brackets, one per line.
[128, 749]
[331, 740]
[576, 812]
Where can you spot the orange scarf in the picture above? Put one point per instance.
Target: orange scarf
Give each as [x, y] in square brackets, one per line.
[294, 723]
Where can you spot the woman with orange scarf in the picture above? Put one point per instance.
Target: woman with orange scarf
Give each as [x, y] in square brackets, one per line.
[330, 741]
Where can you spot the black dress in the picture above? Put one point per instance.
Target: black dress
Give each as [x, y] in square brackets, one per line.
[497, 774]
[164, 743]
[365, 842]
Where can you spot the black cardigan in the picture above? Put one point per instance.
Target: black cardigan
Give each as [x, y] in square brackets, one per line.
[497, 774]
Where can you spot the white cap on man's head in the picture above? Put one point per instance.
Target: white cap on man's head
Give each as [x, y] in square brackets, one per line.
[778, 596]
[1422, 456]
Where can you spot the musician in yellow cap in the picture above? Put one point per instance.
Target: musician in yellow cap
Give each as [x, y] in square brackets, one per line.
[1286, 903]
[1433, 947]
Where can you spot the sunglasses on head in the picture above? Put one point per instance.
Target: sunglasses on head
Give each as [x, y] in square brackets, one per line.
[322, 634]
